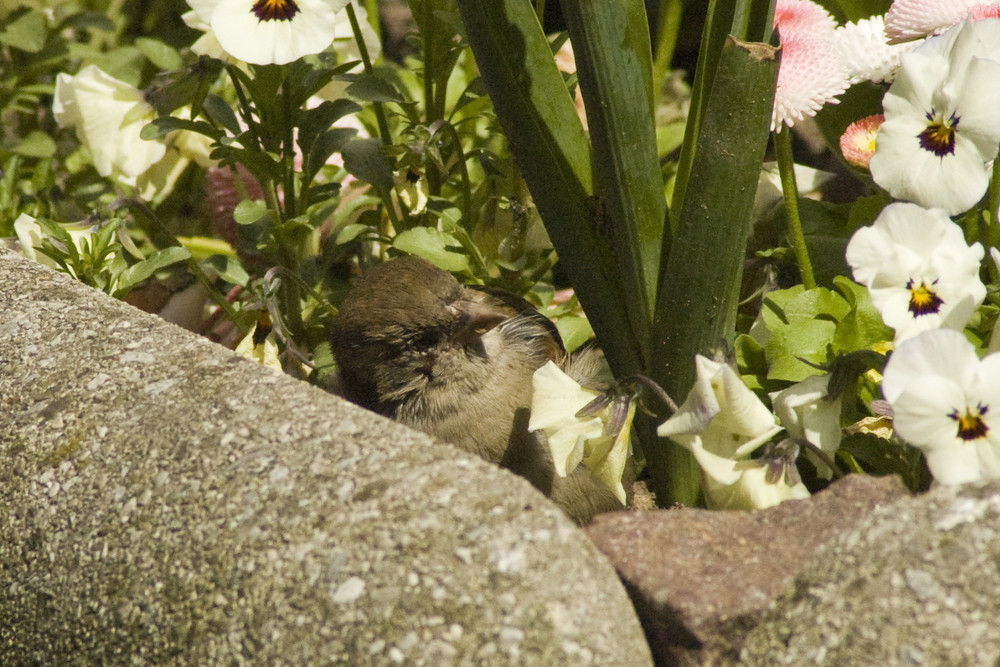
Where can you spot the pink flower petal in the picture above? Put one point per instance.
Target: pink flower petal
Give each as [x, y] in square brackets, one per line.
[810, 75]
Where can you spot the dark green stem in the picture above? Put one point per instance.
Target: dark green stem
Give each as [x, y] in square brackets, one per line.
[790, 191]
[380, 117]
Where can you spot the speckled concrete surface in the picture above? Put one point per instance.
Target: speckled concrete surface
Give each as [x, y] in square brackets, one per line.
[917, 583]
[164, 501]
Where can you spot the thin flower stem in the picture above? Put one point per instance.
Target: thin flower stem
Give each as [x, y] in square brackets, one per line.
[449, 129]
[786, 169]
[380, 117]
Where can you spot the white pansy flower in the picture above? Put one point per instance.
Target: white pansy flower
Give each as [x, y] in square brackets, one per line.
[265, 32]
[108, 115]
[722, 422]
[918, 269]
[600, 441]
[942, 120]
[946, 402]
[808, 413]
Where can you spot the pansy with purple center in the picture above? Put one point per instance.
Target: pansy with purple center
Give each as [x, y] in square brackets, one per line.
[946, 402]
[918, 268]
[265, 32]
[942, 120]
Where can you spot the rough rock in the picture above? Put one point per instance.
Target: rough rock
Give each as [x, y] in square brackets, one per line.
[164, 501]
[917, 583]
[700, 580]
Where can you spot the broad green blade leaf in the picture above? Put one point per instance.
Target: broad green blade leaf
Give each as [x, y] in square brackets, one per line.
[614, 66]
[551, 148]
[696, 307]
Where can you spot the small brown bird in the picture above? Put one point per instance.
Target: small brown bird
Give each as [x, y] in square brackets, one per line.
[455, 361]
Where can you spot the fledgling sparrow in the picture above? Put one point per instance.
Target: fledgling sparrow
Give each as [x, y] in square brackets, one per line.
[456, 361]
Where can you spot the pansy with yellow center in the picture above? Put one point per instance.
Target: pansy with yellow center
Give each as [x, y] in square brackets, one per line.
[946, 402]
[264, 32]
[942, 120]
[919, 270]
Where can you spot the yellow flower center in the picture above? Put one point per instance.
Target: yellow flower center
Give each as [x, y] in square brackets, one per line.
[939, 135]
[923, 299]
[275, 10]
[970, 424]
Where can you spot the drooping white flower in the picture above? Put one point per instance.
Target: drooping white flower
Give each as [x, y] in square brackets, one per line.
[946, 402]
[918, 268]
[600, 441]
[807, 412]
[942, 120]
[108, 116]
[264, 32]
[722, 422]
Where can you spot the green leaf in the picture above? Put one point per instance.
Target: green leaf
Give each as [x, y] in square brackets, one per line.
[351, 232]
[700, 278]
[372, 89]
[158, 53]
[364, 159]
[36, 144]
[550, 146]
[229, 269]
[164, 125]
[614, 66]
[222, 113]
[147, 267]
[433, 245]
[248, 212]
[862, 327]
[26, 33]
[574, 330]
[800, 324]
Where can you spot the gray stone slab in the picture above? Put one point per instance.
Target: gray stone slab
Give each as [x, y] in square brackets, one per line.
[916, 583]
[163, 500]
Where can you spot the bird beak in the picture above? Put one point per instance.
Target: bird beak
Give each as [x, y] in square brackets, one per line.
[474, 319]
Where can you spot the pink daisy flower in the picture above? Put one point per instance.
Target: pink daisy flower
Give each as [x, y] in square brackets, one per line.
[857, 143]
[812, 72]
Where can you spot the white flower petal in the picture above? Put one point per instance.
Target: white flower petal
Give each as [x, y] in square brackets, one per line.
[720, 414]
[806, 412]
[244, 35]
[908, 247]
[947, 82]
[947, 402]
